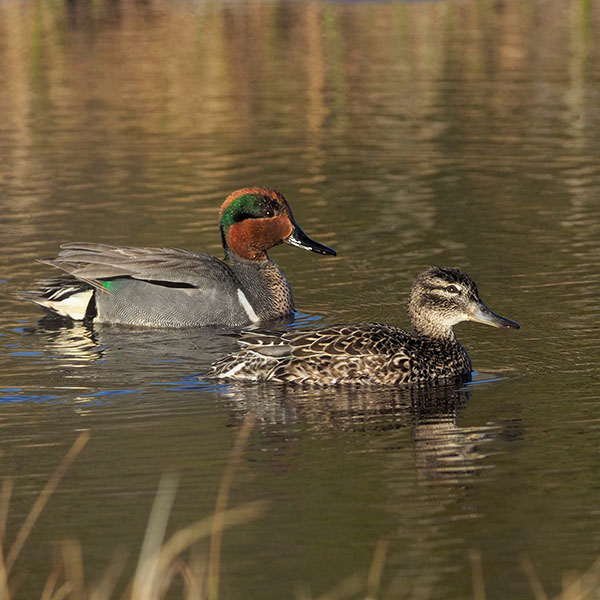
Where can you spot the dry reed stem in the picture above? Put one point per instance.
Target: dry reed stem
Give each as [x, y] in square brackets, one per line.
[477, 571]
[50, 584]
[571, 586]
[189, 579]
[214, 556]
[302, 591]
[345, 589]
[42, 499]
[144, 582]
[172, 569]
[73, 566]
[197, 565]
[574, 586]
[186, 537]
[106, 586]
[128, 591]
[158, 567]
[355, 583]
[584, 586]
[63, 591]
[376, 569]
[4, 593]
[5, 494]
[534, 581]
[159, 562]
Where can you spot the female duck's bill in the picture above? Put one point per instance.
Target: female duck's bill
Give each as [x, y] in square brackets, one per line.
[480, 313]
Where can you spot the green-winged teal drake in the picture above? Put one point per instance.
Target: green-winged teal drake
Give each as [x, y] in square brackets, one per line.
[167, 287]
[372, 353]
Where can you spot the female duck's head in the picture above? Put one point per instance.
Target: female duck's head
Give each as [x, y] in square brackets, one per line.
[442, 297]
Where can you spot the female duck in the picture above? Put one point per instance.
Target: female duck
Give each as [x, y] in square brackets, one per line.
[372, 353]
[166, 287]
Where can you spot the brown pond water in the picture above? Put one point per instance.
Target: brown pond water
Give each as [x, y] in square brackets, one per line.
[404, 134]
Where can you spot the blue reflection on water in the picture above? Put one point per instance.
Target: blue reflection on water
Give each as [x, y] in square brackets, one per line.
[11, 399]
[191, 383]
[303, 320]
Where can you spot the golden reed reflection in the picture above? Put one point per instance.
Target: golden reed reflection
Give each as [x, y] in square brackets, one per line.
[207, 67]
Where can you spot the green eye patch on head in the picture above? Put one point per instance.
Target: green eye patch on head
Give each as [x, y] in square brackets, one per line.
[248, 206]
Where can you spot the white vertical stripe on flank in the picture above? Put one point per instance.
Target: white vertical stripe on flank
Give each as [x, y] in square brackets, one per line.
[247, 306]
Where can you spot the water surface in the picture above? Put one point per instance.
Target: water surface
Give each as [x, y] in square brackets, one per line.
[404, 135]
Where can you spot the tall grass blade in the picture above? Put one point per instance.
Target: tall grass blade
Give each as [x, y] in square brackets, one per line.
[477, 571]
[42, 499]
[145, 581]
[104, 589]
[73, 565]
[214, 560]
[5, 494]
[376, 570]
[534, 581]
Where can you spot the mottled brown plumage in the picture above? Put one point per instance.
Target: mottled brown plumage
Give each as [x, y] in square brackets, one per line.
[371, 353]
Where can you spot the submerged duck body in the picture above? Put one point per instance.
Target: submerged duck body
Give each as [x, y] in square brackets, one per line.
[169, 287]
[372, 353]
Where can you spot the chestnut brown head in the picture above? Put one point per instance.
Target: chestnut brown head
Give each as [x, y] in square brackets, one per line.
[253, 220]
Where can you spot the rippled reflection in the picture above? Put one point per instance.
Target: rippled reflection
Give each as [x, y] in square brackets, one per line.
[444, 451]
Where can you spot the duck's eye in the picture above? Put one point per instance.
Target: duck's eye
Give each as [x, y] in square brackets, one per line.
[269, 212]
[452, 289]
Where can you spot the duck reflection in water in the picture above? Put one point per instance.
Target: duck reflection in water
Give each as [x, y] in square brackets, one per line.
[130, 352]
[444, 452]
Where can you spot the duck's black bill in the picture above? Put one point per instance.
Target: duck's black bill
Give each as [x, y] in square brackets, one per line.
[299, 239]
[482, 314]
